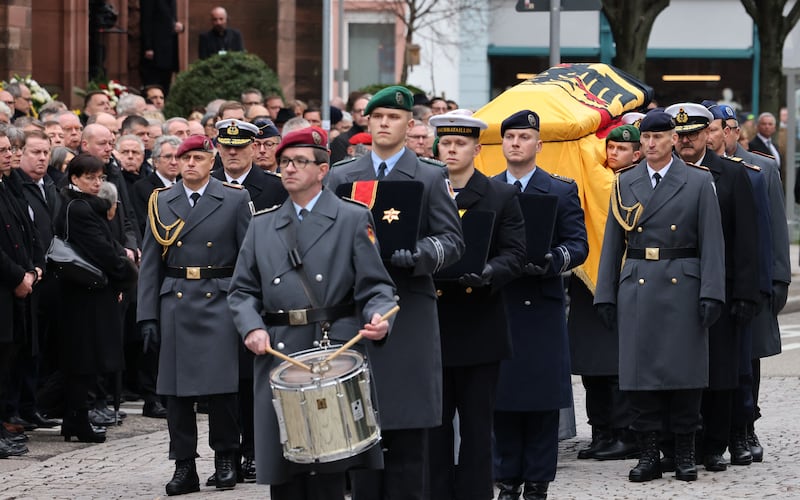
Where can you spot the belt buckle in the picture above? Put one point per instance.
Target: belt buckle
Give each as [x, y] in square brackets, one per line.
[298, 317]
[651, 253]
[192, 273]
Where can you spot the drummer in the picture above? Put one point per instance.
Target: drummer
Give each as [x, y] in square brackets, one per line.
[318, 254]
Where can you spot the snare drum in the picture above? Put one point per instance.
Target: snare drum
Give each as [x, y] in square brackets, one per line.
[326, 416]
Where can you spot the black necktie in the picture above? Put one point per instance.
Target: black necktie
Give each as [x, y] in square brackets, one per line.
[381, 170]
[657, 177]
[234, 181]
[303, 213]
[518, 184]
[195, 197]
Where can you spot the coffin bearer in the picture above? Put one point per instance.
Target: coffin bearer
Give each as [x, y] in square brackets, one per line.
[472, 319]
[318, 254]
[189, 252]
[594, 349]
[667, 293]
[408, 366]
[526, 422]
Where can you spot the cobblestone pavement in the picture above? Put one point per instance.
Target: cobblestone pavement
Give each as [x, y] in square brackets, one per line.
[136, 467]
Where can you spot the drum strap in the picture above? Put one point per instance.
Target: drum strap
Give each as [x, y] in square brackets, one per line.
[297, 265]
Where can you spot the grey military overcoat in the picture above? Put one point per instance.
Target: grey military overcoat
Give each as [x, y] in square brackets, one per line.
[199, 345]
[662, 343]
[341, 263]
[408, 366]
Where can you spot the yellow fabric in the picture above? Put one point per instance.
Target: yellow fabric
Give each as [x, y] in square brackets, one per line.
[574, 102]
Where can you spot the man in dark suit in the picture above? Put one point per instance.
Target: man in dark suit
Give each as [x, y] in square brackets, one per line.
[661, 280]
[43, 203]
[192, 324]
[526, 422]
[472, 318]
[738, 214]
[765, 130]
[166, 173]
[236, 150]
[219, 39]
[408, 366]
[160, 28]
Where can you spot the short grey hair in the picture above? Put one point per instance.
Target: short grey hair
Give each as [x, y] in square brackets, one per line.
[164, 139]
[130, 137]
[166, 124]
[108, 192]
[127, 104]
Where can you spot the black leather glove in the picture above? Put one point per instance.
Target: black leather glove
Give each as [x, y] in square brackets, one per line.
[710, 310]
[150, 335]
[532, 269]
[474, 280]
[404, 258]
[608, 315]
[743, 310]
[780, 292]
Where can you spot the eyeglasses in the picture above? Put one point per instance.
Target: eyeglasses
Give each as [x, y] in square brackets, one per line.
[299, 162]
[169, 158]
[692, 136]
[266, 144]
[95, 178]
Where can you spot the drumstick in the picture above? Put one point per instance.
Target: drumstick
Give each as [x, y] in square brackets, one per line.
[358, 337]
[291, 360]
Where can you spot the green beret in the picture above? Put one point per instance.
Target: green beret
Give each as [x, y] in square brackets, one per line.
[624, 133]
[395, 97]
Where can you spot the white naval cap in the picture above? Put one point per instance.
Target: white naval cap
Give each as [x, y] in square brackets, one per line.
[689, 117]
[458, 122]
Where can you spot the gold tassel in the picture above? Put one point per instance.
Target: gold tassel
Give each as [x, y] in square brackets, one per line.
[155, 222]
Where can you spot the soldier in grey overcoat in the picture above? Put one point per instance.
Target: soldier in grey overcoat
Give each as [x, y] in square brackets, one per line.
[183, 284]
[408, 366]
[662, 277]
[341, 266]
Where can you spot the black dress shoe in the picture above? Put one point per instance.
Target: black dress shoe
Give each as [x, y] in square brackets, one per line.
[755, 446]
[14, 437]
[12, 449]
[154, 409]
[600, 439]
[715, 462]
[247, 473]
[41, 421]
[535, 490]
[618, 450]
[17, 420]
[99, 418]
[509, 490]
[185, 479]
[225, 474]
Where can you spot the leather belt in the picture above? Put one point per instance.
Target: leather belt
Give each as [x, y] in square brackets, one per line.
[656, 253]
[296, 317]
[198, 273]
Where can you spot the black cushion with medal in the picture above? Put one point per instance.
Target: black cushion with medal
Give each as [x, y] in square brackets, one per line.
[396, 210]
[477, 226]
[539, 211]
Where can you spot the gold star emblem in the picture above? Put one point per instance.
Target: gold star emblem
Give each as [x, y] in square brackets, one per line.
[391, 215]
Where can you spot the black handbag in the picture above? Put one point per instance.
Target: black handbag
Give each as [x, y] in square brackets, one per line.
[69, 265]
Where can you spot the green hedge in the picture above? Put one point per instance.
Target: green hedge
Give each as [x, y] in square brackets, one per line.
[221, 76]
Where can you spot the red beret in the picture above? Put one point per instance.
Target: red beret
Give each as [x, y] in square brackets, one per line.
[195, 143]
[308, 137]
[361, 138]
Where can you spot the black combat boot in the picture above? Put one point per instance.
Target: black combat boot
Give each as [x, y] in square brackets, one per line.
[509, 489]
[601, 437]
[225, 465]
[739, 447]
[685, 467]
[535, 490]
[649, 466]
[755, 446]
[185, 479]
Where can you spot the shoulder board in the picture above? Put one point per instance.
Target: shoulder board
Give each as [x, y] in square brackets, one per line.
[759, 153]
[274, 174]
[264, 211]
[563, 179]
[620, 170]
[163, 188]
[698, 166]
[431, 161]
[355, 202]
[742, 162]
[344, 162]
[235, 186]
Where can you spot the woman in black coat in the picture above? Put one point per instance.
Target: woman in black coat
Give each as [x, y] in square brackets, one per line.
[90, 319]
